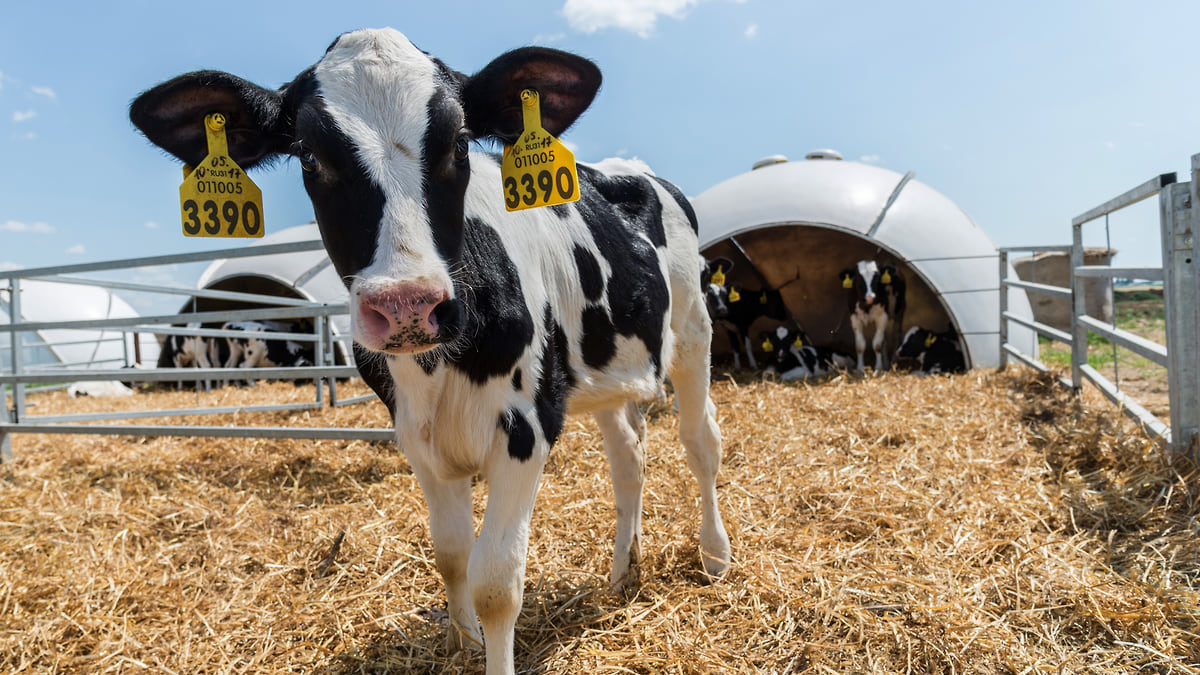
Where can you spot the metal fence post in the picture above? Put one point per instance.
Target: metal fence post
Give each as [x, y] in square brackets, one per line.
[17, 343]
[1079, 332]
[319, 356]
[1181, 295]
[6, 454]
[1004, 308]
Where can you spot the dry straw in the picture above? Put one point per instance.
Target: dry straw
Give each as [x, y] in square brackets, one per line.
[985, 523]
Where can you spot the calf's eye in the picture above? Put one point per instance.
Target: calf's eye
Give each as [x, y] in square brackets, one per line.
[461, 147]
[308, 161]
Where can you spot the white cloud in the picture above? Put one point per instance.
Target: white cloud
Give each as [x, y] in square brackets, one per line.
[1110, 145]
[635, 16]
[27, 136]
[77, 249]
[45, 91]
[751, 31]
[870, 159]
[6, 266]
[151, 225]
[17, 226]
[23, 115]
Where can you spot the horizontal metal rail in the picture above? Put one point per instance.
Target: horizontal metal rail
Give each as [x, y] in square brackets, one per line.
[1137, 194]
[1131, 407]
[1057, 291]
[1043, 329]
[70, 366]
[169, 412]
[1034, 363]
[177, 258]
[952, 258]
[220, 332]
[256, 298]
[298, 433]
[353, 400]
[1147, 273]
[185, 374]
[1123, 338]
[198, 317]
[1025, 358]
[1035, 249]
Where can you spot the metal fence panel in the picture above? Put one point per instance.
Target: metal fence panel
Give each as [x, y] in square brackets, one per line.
[21, 374]
[1179, 215]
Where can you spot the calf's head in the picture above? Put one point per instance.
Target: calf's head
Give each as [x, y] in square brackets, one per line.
[867, 281]
[714, 280]
[381, 131]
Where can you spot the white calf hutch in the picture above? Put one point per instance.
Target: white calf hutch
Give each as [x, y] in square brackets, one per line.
[809, 220]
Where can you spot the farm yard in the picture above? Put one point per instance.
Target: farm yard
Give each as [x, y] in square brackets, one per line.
[979, 523]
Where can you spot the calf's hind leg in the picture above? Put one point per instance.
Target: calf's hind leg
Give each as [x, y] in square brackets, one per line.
[702, 441]
[624, 442]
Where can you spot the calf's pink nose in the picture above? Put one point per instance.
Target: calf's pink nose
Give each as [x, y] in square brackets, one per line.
[401, 313]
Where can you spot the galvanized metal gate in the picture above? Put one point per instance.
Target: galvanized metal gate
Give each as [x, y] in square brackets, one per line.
[1179, 216]
[19, 379]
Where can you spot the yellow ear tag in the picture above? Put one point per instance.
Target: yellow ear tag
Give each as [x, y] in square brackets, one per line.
[718, 277]
[762, 299]
[886, 278]
[798, 343]
[930, 339]
[734, 296]
[847, 281]
[767, 346]
[217, 198]
[537, 170]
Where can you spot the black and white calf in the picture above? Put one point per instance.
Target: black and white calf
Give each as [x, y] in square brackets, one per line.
[929, 352]
[875, 298]
[260, 352]
[481, 329]
[184, 351]
[737, 308]
[790, 355]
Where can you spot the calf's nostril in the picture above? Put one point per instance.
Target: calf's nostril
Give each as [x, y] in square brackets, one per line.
[375, 321]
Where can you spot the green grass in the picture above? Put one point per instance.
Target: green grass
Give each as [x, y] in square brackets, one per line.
[1139, 312]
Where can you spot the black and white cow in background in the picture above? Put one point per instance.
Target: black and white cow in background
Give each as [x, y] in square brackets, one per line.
[929, 352]
[737, 308]
[791, 356]
[875, 297]
[259, 352]
[481, 329]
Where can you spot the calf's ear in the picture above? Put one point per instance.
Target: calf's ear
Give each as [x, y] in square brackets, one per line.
[171, 115]
[566, 85]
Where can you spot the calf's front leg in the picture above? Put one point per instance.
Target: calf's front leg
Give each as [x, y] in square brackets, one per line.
[881, 329]
[496, 570]
[452, 527]
[860, 340]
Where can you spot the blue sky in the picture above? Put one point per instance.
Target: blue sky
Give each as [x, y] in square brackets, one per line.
[1023, 113]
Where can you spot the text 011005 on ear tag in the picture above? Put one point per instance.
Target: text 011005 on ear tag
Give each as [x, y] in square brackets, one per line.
[217, 198]
[537, 170]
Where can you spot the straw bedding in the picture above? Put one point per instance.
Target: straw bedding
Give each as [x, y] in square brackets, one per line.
[983, 523]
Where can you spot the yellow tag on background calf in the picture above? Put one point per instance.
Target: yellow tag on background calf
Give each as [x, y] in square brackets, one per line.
[537, 170]
[217, 198]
